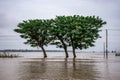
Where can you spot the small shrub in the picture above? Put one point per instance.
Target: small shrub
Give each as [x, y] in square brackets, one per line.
[117, 54]
[7, 55]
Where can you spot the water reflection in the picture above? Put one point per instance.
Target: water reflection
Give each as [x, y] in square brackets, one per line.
[84, 70]
[60, 68]
[67, 69]
[32, 69]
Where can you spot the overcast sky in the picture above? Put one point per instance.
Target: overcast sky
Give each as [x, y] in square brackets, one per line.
[14, 11]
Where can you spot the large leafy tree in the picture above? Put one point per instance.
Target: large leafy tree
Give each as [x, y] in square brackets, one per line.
[36, 32]
[84, 31]
[77, 31]
[58, 32]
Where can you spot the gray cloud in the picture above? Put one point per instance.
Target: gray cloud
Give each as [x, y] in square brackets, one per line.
[14, 11]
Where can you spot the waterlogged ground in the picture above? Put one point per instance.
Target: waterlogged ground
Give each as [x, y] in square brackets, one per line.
[87, 66]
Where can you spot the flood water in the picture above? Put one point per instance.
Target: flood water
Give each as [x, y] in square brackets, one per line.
[87, 66]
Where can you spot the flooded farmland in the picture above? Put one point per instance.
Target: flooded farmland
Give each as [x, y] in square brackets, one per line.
[87, 66]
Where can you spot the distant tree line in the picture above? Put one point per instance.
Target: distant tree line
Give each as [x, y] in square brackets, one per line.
[27, 50]
[78, 32]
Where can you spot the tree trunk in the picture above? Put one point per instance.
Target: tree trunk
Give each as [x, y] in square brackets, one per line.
[64, 46]
[66, 53]
[74, 54]
[73, 48]
[44, 52]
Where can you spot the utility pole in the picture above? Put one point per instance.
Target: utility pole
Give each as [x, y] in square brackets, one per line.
[104, 49]
[106, 44]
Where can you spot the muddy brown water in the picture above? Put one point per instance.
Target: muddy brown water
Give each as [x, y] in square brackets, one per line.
[84, 67]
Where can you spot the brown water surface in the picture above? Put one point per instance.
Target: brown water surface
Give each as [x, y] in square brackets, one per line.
[95, 68]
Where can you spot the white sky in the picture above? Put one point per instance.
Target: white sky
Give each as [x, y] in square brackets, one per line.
[14, 11]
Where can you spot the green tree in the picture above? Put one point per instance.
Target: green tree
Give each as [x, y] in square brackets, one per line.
[84, 31]
[65, 27]
[36, 32]
[77, 31]
[58, 33]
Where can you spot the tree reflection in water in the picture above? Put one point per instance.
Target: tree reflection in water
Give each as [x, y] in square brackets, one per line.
[59, 69]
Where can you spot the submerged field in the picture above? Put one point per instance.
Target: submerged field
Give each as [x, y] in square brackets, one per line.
[87, 66]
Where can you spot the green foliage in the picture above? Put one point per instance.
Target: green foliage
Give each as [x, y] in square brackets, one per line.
[78, 31]
[58, 32]
[36, 32]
